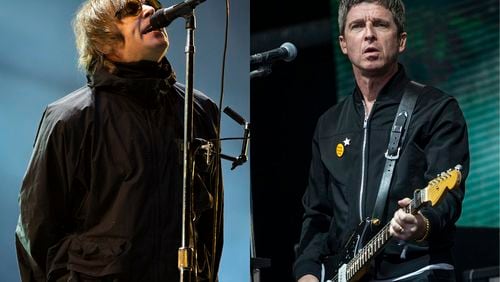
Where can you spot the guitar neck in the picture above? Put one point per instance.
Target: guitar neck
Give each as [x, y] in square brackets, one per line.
[368, 252]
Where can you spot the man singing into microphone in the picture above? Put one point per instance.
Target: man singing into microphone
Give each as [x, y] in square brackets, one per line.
[101, 198]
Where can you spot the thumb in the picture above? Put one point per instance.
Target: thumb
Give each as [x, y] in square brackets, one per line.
[404, 202]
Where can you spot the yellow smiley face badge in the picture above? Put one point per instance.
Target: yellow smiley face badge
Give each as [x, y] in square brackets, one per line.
[340, 150]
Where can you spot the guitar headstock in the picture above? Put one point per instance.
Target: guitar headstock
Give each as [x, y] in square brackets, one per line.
[436, 188]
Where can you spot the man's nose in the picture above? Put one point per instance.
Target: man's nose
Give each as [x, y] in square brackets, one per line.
[147, 11]
[370, 34]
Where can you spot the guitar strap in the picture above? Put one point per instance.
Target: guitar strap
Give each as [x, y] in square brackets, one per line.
[396, 141]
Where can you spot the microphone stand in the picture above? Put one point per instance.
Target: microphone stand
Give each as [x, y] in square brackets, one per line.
[187, 251]
[257, 263]
[264, 70]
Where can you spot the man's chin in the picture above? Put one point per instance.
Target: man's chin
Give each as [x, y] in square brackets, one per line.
[163, 52]
[157, 51]
[374, 69]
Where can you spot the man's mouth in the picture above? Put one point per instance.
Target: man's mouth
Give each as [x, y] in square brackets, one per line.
[370, 50]
[148, 29]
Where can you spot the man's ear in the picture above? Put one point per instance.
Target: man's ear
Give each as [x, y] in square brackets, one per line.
[111, 51]
[402, 42]
[343, 44]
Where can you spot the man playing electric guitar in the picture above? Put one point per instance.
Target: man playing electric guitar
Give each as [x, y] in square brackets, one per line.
[372, 143]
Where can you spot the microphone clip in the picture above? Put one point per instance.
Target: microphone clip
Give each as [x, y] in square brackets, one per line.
[262, 71]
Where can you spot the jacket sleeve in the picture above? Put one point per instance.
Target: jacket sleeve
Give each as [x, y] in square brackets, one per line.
[217, 191]
[447, 147]
[42, 200]
[209, 227]
[316, 218]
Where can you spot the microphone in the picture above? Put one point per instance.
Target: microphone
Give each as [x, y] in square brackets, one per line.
[234, 115]
[164, 17]
[287, 52]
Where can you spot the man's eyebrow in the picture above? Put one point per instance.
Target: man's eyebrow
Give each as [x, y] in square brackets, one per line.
[373, 19]
[356, 21]
[380, 20]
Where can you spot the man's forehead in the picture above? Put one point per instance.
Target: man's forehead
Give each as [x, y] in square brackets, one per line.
[368, 10]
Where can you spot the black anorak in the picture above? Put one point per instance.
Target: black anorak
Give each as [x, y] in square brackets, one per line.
[101, 197]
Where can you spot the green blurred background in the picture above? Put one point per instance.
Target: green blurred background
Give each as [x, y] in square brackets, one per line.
[456, 52]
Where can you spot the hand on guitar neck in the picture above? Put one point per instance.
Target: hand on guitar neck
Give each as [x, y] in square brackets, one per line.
[407, 226]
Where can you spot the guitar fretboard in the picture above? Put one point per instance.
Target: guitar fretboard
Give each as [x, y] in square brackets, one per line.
[372, 247]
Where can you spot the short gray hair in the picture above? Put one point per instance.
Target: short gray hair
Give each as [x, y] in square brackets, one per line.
[396, 7]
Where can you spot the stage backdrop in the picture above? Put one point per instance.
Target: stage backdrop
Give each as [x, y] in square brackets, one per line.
[38, 66]
[453, 45]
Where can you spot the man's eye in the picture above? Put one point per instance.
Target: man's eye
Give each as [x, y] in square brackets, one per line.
[381, 24]
[131, 8]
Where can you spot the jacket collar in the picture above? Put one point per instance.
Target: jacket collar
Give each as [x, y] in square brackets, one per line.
[392, 91]
[142, 80]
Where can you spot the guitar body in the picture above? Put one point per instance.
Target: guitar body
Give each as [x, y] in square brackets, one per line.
[352, 247]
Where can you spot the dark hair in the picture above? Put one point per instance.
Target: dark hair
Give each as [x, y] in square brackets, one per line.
[396, 7]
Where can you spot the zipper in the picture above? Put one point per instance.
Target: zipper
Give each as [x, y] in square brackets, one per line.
[363, 164]
[363, 159]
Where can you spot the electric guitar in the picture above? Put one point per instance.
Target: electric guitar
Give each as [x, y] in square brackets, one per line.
[356, 255]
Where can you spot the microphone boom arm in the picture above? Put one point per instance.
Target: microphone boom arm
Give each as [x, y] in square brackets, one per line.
[243, 157]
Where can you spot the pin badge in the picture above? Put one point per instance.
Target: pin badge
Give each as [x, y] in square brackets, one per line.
[341, 147]
[347, 142]
[340, 150]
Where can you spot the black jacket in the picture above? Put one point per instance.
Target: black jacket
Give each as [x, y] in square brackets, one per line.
[102, 194]
[436, 141]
